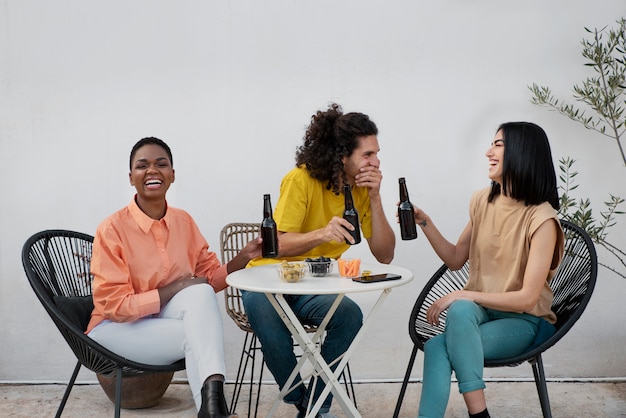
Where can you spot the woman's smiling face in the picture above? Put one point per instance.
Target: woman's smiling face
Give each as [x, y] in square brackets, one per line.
[495, 154]
[151, 172]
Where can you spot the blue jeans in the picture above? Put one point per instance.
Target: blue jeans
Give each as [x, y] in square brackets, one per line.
[277, 343]
[473, 334]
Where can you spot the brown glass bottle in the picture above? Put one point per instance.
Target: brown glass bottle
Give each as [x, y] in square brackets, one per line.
[408, 229]
[351, 215]
[269, 232]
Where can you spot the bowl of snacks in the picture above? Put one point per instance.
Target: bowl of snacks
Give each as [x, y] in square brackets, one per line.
[349, 267]
[291, 272]
[320, 266]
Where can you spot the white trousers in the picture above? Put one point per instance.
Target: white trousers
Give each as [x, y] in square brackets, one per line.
[189, 326]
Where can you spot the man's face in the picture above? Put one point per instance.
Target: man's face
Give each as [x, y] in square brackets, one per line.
[365, 154]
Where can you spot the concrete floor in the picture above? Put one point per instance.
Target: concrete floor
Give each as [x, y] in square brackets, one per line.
[377, 400]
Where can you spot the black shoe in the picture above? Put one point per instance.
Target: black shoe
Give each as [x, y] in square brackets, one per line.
[213, 401]
[302, 411]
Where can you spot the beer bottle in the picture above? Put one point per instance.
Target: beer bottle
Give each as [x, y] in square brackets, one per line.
[351, 215]
[268, 230]
[408, 229]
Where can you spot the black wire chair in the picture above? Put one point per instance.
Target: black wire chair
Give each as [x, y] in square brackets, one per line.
[57, 265]
[572, 285]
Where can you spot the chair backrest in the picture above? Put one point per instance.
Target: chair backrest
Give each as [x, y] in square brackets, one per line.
[572, 286]
[233, 237]
[57, 265]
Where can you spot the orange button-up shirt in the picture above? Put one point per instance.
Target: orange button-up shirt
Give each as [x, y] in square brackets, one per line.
[134, 255]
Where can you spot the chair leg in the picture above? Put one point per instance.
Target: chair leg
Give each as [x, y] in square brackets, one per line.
[347, 381]
[237, 388]
[247, 354]
[118, 392]
[258, 391]
[405, 382]
[70, 385]
[542, 388]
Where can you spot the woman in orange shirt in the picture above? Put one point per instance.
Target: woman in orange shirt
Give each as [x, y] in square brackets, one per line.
[155, 282]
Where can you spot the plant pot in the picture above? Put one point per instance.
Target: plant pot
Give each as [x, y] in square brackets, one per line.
[142, 391]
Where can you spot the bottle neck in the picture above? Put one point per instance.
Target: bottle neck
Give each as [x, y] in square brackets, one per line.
[267, 208]
[348, 197]
[404, 193]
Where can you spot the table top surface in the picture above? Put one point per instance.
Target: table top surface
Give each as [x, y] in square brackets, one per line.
[265, 279]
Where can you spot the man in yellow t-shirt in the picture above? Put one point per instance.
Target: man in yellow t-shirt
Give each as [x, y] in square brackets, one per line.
[338, 149]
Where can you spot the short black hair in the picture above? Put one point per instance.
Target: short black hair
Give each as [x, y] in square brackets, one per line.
[527, 170]
[154, 141]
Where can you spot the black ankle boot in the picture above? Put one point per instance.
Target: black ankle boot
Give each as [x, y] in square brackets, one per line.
[302, 411]
[213, 401]
[483, 414]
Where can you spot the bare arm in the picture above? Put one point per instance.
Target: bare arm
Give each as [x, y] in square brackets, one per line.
[297, 243]
[453, 255]
[250, 251]
[383, 241]
[535, 274]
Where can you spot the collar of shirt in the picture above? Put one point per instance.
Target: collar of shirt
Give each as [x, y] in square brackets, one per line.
[144, 221]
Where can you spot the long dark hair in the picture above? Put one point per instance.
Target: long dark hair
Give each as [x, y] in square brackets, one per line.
[527, 170]
[331, 136]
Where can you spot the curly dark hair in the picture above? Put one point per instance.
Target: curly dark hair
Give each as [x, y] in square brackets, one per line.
[331, 136]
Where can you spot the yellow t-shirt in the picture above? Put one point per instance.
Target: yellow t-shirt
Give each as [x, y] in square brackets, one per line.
[305, 205]
[500, 245]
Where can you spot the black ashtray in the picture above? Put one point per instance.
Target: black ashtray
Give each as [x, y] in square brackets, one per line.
[321, 266]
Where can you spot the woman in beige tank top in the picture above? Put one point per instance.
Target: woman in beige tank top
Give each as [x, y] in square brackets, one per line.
[514, 243]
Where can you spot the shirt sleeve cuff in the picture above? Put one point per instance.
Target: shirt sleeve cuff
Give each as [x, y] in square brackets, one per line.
[149, 303]
[218, 278]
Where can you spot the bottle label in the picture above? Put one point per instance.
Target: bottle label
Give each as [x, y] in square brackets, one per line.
[269, 246]
[408, 229]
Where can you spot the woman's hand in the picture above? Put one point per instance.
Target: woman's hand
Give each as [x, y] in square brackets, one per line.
[421, 218]
[252, 249]
[167, 292]
[437, 308]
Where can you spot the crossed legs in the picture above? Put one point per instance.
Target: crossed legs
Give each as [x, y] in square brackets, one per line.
[472, 335]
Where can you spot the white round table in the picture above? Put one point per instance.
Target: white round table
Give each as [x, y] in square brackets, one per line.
[265, 279]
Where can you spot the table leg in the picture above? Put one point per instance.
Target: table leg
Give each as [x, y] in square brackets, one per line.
[312, 353]
[342, 397]
[310, 348]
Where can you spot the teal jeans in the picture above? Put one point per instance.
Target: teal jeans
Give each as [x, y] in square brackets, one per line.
[473, 334]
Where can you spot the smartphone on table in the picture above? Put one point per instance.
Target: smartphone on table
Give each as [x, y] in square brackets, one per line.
[373, 278]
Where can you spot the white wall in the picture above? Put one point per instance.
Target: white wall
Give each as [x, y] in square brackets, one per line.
[231, 85]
